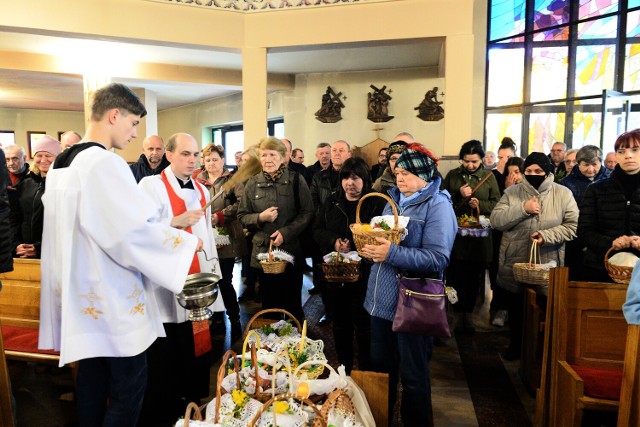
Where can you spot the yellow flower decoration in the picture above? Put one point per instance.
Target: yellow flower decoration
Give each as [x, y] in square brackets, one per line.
[281, 407]
[239, 397]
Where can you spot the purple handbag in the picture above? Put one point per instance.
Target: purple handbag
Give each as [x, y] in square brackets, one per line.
[422, 307]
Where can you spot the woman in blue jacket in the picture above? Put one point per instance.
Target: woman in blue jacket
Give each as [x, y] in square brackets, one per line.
[424, 252]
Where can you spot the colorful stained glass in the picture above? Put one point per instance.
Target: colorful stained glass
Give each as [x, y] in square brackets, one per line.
[593, 8]
[594, 69]
[507, 18]
[545, 129]
[586, 129]
[519, 39]
[632, 68]
[505, 77]
[633, 23]
[561, 33]
[499, 125]
[549, 13]
[549, 73]
[598, 29]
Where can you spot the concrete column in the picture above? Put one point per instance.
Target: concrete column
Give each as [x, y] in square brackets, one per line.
[254, 94]
[458, 108]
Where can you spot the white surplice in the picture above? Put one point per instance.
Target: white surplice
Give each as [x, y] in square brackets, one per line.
[170, 310]
[100, 240]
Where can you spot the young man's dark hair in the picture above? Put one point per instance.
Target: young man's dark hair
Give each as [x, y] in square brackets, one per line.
[116, 95]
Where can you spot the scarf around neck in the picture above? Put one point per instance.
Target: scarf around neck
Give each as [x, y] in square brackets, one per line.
[274, 176]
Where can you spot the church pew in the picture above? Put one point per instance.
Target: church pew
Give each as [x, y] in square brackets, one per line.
[629, 413]
[20, 313]
[6, 411]
[586, 349]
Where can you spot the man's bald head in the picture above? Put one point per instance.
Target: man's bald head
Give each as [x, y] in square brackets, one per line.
[404, 136]
[153, 149]
[68, 139]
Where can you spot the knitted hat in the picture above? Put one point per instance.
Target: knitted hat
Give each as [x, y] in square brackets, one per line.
[46, 143]
[418, 160]
[540, 159]
[395, 148]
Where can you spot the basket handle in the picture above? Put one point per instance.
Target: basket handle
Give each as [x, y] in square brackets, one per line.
[534, 253]
[384, 196]
[246, 341]
[337, 397]
[197, 413]
[312, 362]
[271, 310]
[319, 416]
[221, 375]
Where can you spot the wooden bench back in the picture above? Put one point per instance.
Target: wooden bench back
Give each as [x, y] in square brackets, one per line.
[20, 294]
[591, 326]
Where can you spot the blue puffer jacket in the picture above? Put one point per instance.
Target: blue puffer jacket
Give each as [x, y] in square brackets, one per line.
[425, 250]
[578, 183]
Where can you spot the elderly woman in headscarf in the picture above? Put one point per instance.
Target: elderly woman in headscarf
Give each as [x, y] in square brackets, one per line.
[424, 252]
[535, 212]
[27, 211]
[277, 207]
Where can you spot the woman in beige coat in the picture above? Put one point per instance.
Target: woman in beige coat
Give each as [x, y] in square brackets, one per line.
[536, 210]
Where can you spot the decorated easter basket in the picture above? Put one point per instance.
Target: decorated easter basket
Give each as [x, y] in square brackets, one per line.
[363, 237]
[530, 272]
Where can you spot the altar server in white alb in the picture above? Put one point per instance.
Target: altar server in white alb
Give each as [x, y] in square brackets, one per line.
[179, 364]
[100, 241]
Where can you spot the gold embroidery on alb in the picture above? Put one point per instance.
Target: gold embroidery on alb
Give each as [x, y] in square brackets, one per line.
[91, 297]
[174, 240]
[135, 295]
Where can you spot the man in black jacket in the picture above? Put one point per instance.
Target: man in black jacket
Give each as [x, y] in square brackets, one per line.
[323, 154]
[6, 257]
[152, 160]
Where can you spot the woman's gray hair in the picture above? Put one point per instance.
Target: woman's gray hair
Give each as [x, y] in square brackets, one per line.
[588, 154]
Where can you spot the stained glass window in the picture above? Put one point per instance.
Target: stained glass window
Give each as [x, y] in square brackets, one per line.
[601, 28]
[633, 3]
[633, 23]
[549, 13]
[632, 67]
[591, 8]
[505, 77]
[586, 124]
[507, 18]
[499, 125]
[544, 130]
[594, 69]
[549, 73]
[561, 33]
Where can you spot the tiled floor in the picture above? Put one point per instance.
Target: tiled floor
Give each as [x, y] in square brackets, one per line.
[471, 385]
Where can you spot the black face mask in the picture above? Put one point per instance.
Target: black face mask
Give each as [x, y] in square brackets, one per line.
[535, 180]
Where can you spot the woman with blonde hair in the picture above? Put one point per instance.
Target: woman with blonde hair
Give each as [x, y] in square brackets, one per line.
[277, 207]
[27, 213]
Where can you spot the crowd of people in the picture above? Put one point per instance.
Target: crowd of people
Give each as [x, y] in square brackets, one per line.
[130, 234]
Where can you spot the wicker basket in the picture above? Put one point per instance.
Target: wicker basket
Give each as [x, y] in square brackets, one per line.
[337, 401]
[476, 230]
[363, 237]
[528, 272]
[341, 271]
[273, 267]
[322, 422]
[618, 273]
[257, 321]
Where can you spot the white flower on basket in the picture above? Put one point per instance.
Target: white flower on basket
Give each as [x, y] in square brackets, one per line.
[277, 255]
[236, 409]
[345, 257]
[484, 221]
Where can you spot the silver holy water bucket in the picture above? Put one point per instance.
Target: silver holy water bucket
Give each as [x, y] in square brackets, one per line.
[199, 292]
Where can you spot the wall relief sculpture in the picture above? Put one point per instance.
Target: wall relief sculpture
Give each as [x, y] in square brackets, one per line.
[378, 104]
[331, 107]
[430, 109]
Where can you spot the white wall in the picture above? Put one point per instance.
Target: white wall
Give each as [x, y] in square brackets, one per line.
[20, 121]
[298, 107]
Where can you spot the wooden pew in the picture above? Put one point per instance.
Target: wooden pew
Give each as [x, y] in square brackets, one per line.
[629, 413]
[375, 386]
[588, 331]
[533, 340]
[6, 410]
[20, 310]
